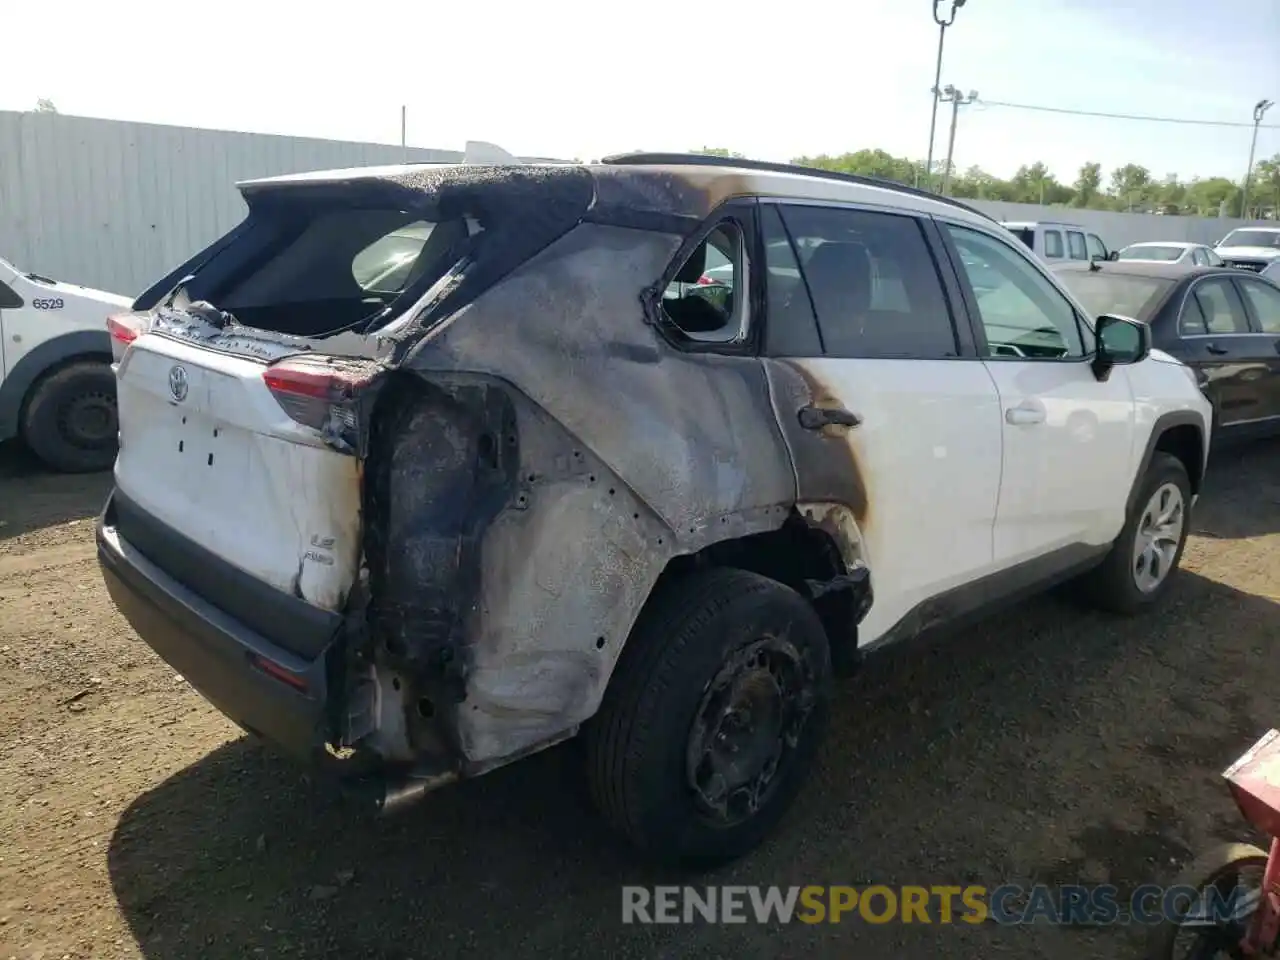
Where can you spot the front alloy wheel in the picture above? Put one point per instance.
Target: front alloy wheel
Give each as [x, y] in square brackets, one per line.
[1159, 535]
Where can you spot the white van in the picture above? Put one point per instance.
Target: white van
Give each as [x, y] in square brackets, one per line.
[1059, 242]
[57, 392]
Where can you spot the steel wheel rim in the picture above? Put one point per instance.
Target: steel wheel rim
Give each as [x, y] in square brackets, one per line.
[747, 728]
[89, 420]
[1158, 537]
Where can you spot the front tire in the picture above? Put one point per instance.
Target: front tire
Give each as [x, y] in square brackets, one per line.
[70, 418]
[713, 717]
[1142, 561]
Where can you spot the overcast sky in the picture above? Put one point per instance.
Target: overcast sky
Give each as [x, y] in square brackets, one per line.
[568, 78]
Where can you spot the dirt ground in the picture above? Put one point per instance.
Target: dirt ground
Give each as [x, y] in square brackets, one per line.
[1049, 744]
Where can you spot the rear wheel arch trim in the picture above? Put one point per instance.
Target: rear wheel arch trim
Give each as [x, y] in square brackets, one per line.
[16, 388]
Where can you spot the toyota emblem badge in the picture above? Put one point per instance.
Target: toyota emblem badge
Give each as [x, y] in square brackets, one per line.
[178, 383]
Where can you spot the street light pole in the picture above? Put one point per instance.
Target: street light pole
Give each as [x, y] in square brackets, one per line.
[943, 23]
[1259, 108]
[957, 100]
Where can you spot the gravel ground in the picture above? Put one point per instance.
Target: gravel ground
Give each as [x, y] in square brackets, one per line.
[1047, 744]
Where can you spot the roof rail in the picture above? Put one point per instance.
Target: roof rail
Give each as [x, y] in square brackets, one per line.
[710, 160]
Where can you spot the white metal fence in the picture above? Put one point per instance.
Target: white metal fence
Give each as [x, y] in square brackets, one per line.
[116, 205]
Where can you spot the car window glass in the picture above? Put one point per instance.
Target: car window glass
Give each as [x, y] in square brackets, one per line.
[1197, 256]
[791, 328]
[703, 298]
[1191, 322]
[874, 284]
[1213, 259]
[384, 265]
[1097, 249]
[9, 299]
[1022, 313]
[1075, 241]
[1052, 244]
[1221, 309]
[1265, 301]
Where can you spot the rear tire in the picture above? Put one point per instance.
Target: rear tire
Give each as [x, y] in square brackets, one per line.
[1127, 581]
[70, 418]
[713, 717]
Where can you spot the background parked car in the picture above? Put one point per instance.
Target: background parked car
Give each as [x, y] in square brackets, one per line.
[1059, 242]
[1172, 251]
[1253, 248]
[58, 392]
[1224, 323]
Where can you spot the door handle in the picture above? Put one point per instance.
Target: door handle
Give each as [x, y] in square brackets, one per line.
[815, 418]
[1024, 414]
[1215, 349]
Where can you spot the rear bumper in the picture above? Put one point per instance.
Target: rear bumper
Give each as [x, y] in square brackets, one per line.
[215, 653]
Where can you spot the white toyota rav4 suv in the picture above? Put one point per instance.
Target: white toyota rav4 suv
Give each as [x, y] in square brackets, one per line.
[413, 518]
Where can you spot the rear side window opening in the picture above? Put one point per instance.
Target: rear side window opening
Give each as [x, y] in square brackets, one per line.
[708, 298]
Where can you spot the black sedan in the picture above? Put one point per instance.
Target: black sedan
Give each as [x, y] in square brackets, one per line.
[1223, 322]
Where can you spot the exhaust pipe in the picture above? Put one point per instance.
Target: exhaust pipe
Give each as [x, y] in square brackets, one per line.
[396, 792]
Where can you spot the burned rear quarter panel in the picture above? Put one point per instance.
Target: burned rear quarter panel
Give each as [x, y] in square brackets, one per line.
[631, 452]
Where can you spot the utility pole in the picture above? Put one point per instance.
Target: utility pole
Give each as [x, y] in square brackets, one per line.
[951, 95]
[1259, 108]
[404, 150]
[943, 23]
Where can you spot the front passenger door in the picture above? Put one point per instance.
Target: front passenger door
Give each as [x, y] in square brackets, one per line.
[1067, 436]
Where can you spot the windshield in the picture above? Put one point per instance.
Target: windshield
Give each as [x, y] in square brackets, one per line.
[1144, 252]
[1128, 296]
[1251, 238]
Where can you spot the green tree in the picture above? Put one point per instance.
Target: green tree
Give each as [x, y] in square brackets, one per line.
[866, 163]
[1205, 198]
[1266, 185]
[1131, 186]
[1088, 185]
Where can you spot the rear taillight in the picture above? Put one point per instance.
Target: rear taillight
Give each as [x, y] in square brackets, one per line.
[320, 392]
[124, 328]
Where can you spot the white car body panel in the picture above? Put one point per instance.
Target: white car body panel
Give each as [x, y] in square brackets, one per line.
[49, 310]
[1065, 462]
[934, 427]
[227, 468]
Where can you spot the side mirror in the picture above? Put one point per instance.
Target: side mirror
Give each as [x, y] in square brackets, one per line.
[1113, 255]
[1119, 341]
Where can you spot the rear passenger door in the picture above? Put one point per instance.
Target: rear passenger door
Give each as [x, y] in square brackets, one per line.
[1232, 361]
[1262, 301]
[1067, 436]
[860, 322]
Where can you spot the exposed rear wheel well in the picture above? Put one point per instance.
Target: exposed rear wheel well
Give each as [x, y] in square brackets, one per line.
[1186, 443]
[794, 554]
